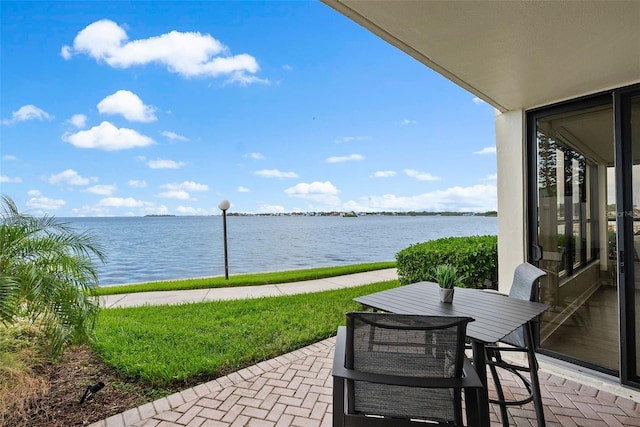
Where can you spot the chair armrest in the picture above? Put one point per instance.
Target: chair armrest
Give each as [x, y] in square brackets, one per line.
[471, 379]
[339, 355]
[471, 375]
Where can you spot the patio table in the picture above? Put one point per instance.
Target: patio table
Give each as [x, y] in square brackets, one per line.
[496, 316]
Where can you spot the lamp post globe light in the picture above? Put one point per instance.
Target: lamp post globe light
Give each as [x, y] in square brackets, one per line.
[223, 206]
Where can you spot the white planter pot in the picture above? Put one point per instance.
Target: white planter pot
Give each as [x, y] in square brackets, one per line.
[446, 295]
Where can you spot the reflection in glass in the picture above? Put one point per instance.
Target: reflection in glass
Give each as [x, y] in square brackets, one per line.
[574, 150]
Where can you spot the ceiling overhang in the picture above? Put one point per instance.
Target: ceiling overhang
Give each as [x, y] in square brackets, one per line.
[516, 54]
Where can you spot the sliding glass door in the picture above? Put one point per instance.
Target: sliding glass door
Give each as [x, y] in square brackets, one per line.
[584, 162]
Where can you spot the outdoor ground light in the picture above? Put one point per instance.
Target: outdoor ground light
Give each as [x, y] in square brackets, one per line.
[91, 391]
[223, 206]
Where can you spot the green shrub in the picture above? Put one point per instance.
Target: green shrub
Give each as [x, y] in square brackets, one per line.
[475, 257]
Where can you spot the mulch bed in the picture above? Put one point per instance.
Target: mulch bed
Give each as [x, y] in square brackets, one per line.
[68, 381]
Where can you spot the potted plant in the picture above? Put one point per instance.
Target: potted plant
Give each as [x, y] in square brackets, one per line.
[447, 277]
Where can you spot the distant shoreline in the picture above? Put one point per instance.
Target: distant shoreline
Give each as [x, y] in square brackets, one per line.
[349, 214]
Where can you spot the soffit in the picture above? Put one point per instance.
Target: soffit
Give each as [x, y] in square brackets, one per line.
[517, 54]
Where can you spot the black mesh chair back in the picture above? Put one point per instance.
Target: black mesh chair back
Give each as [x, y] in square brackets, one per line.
[406, 346]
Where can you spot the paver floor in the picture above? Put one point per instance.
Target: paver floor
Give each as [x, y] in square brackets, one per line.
[295, 390]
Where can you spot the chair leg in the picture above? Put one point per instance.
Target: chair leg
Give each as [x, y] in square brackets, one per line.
[533, 371]
[338, 402]
[500, 393]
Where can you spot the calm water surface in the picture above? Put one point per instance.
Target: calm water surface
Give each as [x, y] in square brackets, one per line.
[162, 248]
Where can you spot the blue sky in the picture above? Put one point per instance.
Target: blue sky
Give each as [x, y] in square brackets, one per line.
[135, 108]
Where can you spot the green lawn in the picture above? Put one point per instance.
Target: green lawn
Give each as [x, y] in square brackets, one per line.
[245, 279]
[167, 345]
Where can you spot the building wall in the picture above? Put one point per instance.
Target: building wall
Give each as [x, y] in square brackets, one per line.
[511, 148]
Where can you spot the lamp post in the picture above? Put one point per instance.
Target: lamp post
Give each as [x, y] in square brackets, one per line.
[223, 206]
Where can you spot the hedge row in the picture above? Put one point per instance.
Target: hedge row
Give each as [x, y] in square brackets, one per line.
[476, 257]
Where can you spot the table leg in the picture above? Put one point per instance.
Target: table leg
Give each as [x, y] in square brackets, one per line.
[480, 364]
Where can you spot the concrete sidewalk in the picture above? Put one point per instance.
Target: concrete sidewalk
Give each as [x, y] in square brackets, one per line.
[239, 292]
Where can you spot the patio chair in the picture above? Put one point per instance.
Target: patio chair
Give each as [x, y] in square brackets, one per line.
[401, 370]
[524, 287]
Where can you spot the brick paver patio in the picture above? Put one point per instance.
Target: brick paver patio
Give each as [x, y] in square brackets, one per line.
[295, 390]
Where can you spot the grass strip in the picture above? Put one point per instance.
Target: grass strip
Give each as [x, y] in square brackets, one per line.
[253, 279]
[185, 344]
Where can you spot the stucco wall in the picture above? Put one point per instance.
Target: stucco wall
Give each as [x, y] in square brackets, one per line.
[510, 146]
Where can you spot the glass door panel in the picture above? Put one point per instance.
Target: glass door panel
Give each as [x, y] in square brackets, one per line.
[574, 150]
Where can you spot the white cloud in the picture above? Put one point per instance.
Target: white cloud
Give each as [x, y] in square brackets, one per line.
[189, 54]
[27, 112]
[244, 79]
[120, 202]
[107, 137]
[254, 156]
[9, 157]
[78, 120]
[137, 183]
[8, 179]
[313, 189]
[65, 52]
[487, 150]
[102, 190]
[477, 100]
[174, 136]
[165, 164]
[491, 177]
[275, 173]
[421, 176]
[45, 203]
[383, 174]
[477, 198]
[174, 194]
[69, 177]
[242, 189]
[287, 67]
[129, 105]
[343, 139]
[189, 210]
[340, 159]
[186, 186]
[323, 195]
[406, 122]
[34, 193]
[270, 209]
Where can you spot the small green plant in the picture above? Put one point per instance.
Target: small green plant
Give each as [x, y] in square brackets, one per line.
[447, 276]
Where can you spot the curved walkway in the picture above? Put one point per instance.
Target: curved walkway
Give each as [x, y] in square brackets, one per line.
[239, 292]
[295, 389]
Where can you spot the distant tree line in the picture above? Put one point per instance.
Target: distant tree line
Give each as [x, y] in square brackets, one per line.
[381, 213]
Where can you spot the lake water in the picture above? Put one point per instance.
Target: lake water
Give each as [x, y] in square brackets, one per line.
[142, 249]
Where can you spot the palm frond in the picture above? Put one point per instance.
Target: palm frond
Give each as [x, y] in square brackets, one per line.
[47, 273]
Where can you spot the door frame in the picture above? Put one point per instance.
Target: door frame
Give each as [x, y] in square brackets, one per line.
[624, 220]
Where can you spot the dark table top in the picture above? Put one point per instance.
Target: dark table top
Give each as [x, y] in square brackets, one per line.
[495, 315]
